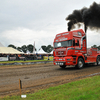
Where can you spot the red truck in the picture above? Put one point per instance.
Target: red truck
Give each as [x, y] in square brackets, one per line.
[70, 48]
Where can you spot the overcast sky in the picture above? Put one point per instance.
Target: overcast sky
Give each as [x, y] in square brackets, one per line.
[24, 21]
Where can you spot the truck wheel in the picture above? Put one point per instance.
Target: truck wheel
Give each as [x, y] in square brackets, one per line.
[98, 60]
[62, 66]
[80, 63]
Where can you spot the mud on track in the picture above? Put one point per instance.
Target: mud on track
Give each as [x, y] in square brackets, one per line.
[39, 76]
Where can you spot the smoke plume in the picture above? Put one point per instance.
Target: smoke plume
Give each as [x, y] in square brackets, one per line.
[89, 16]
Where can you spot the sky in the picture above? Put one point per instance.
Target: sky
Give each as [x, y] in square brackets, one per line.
[23, 22]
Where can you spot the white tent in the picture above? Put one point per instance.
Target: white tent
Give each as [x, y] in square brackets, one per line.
[41, 51]
[9, 50]
[51, 52]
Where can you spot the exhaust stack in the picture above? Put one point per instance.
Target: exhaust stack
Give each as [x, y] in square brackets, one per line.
[85, 29]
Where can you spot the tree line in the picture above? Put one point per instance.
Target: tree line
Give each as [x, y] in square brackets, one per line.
[95, 46]
[47, 49]
[29, 48]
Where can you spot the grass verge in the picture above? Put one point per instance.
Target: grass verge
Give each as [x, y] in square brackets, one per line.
[86, 89]
[23, 61]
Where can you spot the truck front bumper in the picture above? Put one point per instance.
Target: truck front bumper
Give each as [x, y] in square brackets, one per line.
[60, 63]
[64, 61]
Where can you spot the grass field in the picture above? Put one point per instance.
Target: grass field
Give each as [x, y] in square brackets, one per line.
[23, 61]
[86, 89]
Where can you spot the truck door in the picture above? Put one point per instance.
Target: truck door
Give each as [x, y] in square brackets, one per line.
[76, 45]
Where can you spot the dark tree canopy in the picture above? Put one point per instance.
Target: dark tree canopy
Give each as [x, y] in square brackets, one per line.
[24, 48]
[30, 48]
[95, 46]
[19, 49]
[47, 49]
[11, 45]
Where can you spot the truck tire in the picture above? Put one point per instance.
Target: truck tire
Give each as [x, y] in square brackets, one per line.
[80, 63]
[98, 60]
[62, 66]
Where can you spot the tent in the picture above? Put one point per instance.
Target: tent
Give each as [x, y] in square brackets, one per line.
[9, 50]
[41, 51]
[51, 52]
[1, 45]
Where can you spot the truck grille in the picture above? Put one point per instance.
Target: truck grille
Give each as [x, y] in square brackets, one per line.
[61, 52]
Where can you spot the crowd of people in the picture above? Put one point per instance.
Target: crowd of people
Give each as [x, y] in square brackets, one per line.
[24, 56]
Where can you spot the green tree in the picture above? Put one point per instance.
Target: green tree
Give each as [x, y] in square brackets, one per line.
[47, 49]
[99, 47]
[94, 46]
[44, 48]
[19, 49]
[11, 45]
[24, 48]
[30, 48]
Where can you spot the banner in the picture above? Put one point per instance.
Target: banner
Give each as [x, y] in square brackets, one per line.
[48, 57]
[3, 58]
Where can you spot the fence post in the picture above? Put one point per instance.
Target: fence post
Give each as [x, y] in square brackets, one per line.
[20, 86]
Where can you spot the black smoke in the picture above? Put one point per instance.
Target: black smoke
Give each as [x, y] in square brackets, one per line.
[89, 16]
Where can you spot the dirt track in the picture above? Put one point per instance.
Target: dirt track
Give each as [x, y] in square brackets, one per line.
[39, 76]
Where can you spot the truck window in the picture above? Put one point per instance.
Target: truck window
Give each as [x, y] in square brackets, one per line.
[59, 44]
[77, 44]
[73, 42]
[63, 44]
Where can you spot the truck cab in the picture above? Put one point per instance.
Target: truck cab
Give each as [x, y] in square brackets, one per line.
[70, 49]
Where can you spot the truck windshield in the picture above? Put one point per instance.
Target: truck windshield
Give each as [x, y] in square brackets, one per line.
[63, 44]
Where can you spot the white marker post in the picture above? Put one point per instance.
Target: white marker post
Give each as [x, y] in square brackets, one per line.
[20, 87]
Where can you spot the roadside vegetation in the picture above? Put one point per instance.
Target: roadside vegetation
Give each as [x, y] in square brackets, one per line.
[30, 47]
[23, 61]
[84, 89]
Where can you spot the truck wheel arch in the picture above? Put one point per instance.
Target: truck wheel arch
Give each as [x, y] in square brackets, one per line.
[80, 59]
[98, 60]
